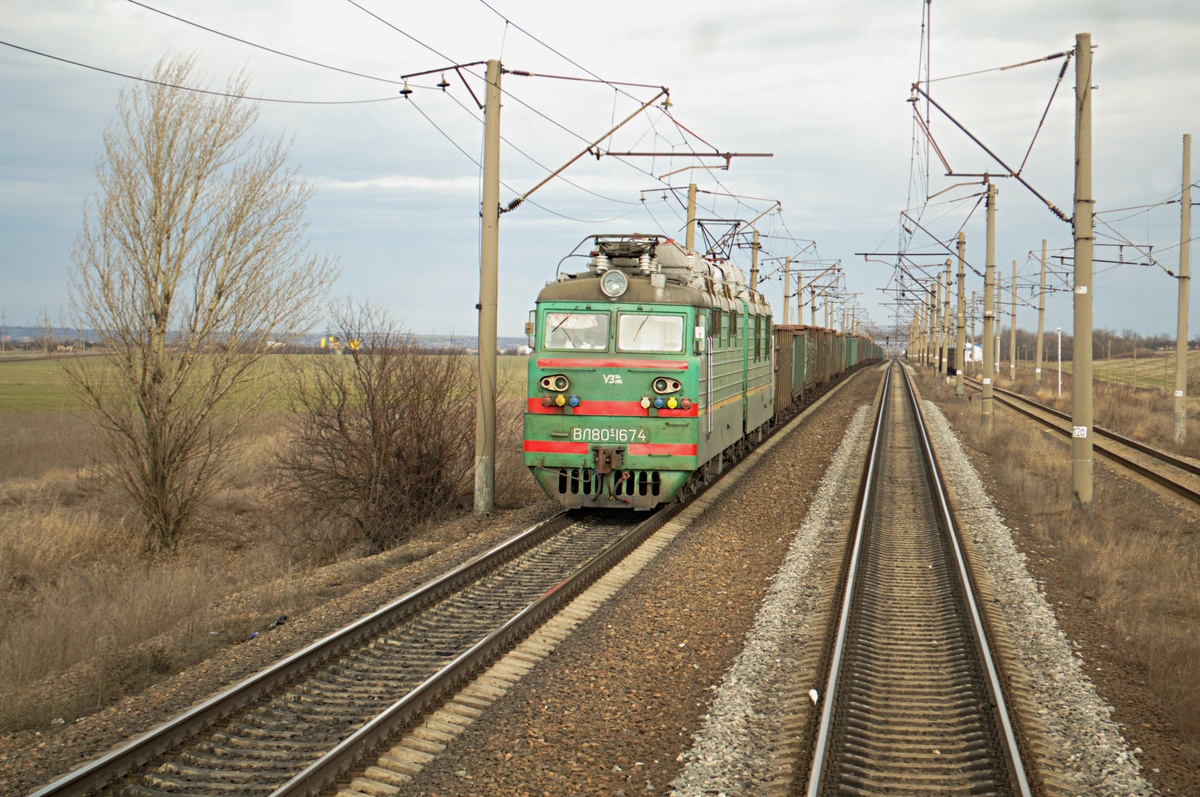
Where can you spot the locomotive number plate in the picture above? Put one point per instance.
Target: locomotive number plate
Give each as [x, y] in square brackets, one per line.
[609, 435]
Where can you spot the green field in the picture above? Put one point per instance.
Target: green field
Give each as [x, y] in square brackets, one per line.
[40, 386]
[34, 385]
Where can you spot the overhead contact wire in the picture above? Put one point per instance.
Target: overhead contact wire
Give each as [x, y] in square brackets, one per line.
[192, 89]
[263, 47]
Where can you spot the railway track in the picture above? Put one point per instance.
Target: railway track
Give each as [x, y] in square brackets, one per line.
[293, 728]
[1174, 473]
[299, 726]
[913, 703]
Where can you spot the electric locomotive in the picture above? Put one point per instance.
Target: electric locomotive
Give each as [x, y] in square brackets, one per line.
[651, 369]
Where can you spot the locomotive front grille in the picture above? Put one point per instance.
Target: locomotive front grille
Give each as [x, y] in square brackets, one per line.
[586, 481]
[578, 481]
[641, 482]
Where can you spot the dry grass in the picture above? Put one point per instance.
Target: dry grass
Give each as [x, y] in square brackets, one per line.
[75, 590]
[1137, 569]
[1146, 414]
[79, 598]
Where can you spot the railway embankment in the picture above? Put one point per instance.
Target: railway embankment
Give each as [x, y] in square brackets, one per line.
[695, 676]
[1123, 582]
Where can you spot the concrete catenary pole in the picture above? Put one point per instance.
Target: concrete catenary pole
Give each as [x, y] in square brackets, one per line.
[961, 337]
[974, 304]
[989, 314]
[1181, 333]
[754, 247]
[799, 298]
[489, 248]
[1037, 367]
[787, 285]
[691, 223]
[935, 312]
[999, 306]
[1012, 343]
[1083, 232]
[945, 367]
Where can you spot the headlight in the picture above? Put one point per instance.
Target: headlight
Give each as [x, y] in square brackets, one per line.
[613, 283]
[556, 382]
[664, 385]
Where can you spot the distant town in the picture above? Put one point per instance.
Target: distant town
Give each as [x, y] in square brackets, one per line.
[34, 340]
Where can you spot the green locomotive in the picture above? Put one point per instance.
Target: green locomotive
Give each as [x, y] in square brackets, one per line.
[647, 367]
[652, 370]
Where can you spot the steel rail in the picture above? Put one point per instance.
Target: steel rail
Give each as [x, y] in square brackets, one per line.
[110, 766]
[1007, 737]
[1011, 748]
[326, 770]
[821, 748]
[105, 769]
[329, 767]
[1022, 405]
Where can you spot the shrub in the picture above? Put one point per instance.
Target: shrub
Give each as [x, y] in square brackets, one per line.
[384, 433]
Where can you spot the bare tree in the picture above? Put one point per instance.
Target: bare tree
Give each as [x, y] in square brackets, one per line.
[384, 431]
[191, 263]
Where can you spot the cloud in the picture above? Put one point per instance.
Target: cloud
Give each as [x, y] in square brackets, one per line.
[400, 183]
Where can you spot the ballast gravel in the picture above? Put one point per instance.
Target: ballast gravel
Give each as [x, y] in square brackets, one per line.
[672, 686]
[1096, 758]
[734, 746]
[613, 710]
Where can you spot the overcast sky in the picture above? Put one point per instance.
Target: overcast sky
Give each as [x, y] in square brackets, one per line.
[823, 86]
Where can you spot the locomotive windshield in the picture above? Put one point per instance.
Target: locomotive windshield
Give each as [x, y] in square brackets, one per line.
[576, 331]
[646, 332]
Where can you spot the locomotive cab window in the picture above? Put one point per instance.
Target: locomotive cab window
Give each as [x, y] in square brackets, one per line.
[565, 330]
[649, 332]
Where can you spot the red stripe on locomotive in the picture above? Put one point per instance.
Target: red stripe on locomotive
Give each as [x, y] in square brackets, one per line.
[554, 447]
[634, 449]
[626, 408]
[591, 363]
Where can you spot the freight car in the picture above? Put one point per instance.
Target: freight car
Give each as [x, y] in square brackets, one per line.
[654, 369]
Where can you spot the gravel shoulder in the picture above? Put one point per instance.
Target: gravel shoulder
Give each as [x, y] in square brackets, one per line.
[676, 684]
[613, 711]
[30, 760]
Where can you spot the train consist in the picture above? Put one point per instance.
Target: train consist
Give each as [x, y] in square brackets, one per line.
[655, 368]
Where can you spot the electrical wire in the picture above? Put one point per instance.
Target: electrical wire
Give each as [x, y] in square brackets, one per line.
[1042, 60]
[193, 89]
[403, 33]
[264, 47]
[537, 163]
[569, 60]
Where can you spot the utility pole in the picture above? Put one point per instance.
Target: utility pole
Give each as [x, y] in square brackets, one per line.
[799, 298]
[989, 315]
[936, 330]
[960, 339]
[974, 301]
[754, 263]
[944, 366]
[999, 305]
[787, 286]
[1037, 368]
[691, 225]
[1083, 233]
[1012, 344]
[489, 248]
[1181, 333]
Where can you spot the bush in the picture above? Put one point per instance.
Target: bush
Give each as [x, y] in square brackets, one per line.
[384, 432]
